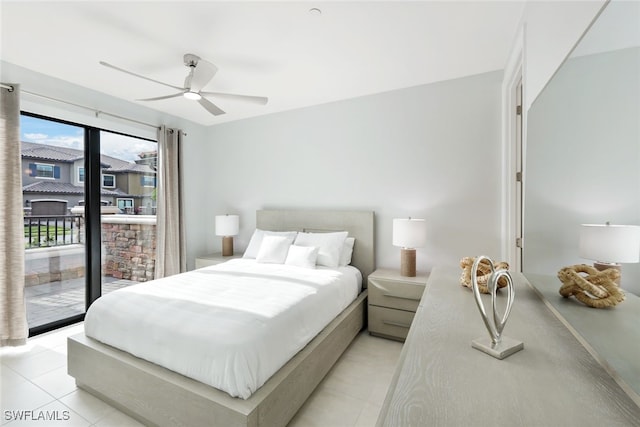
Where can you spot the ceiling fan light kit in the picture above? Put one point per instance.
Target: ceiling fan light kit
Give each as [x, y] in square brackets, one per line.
[200, 74]
[193, 96]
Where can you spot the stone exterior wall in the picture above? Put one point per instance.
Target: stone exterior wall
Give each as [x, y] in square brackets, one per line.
[129, 247]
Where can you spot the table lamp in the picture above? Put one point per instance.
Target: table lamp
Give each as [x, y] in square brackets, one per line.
[409, 233]
[227, 226]
[609, 245]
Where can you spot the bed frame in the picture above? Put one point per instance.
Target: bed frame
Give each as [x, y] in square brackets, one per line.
[157, 396]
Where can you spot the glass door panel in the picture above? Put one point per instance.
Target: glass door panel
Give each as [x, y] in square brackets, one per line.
[128, 198]
[54, 237]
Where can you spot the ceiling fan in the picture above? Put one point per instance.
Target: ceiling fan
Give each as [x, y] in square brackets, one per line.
[200, 74]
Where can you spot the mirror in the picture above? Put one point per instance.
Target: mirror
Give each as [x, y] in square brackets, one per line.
[583, 146]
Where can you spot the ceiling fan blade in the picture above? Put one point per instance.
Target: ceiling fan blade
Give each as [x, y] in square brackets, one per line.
[254, 99]
[138, 75]
[158, 98]
[202, 74]
[210, 107]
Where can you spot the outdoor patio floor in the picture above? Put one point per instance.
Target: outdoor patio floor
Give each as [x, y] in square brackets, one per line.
[53, 301]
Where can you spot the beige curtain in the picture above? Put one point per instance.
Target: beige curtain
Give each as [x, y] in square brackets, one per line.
[13, 315]
[170, 246]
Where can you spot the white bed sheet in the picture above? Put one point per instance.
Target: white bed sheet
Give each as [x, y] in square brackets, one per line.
[231, 326]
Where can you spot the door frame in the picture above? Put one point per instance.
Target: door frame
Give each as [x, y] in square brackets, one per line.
[514, 73]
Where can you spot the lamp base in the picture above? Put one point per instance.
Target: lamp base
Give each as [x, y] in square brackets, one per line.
[408, 262]
[227, 246]
[601, 266]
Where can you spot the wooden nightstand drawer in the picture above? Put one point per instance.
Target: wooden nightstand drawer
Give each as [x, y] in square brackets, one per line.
[394, 294]
[389, 322]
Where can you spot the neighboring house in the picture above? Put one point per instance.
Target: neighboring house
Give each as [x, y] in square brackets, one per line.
[53, 181]
[148, 158]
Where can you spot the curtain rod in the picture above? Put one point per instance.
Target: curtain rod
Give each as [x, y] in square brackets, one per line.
[96, 112]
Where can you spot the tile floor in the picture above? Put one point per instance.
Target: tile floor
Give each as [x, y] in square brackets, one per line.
[34, 378]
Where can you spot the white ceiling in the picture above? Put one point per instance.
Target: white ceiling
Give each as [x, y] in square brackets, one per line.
[274, 49]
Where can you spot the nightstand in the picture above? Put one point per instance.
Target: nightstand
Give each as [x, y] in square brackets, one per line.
[213, 259]
[393, 301]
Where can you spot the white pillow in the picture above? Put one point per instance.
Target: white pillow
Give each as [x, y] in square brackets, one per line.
[273, 249]
[347, 251]
[302, 256]
[330, 245]
[258, 235]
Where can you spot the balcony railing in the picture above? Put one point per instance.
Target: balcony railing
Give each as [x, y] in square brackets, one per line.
[52, 230]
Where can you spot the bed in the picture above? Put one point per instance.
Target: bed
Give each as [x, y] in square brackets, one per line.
[159, 396]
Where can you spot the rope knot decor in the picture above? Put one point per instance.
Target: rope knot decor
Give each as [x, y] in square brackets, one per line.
[483, 273]
[590, 286]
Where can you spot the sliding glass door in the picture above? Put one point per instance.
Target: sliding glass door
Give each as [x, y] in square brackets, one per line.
[89, 199]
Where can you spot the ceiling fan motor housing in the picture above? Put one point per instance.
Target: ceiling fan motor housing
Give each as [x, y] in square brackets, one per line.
[191, 60]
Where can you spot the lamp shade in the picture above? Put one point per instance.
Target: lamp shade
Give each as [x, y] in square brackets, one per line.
[409, 232]
[610, 243]
[227, 225]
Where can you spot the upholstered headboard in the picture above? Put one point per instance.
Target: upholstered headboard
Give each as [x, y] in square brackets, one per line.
[359, 224]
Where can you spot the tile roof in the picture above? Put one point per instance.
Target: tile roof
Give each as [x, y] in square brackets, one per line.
[49, 152]
[52, 187]
[32, 150]
[117, 165]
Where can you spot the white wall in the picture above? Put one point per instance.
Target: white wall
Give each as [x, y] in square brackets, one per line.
[59, 89]
[428, 152]
[552, 29]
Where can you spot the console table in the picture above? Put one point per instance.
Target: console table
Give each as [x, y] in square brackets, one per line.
[442, 381]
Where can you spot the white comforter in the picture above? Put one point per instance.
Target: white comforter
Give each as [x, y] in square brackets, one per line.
[231, 326]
